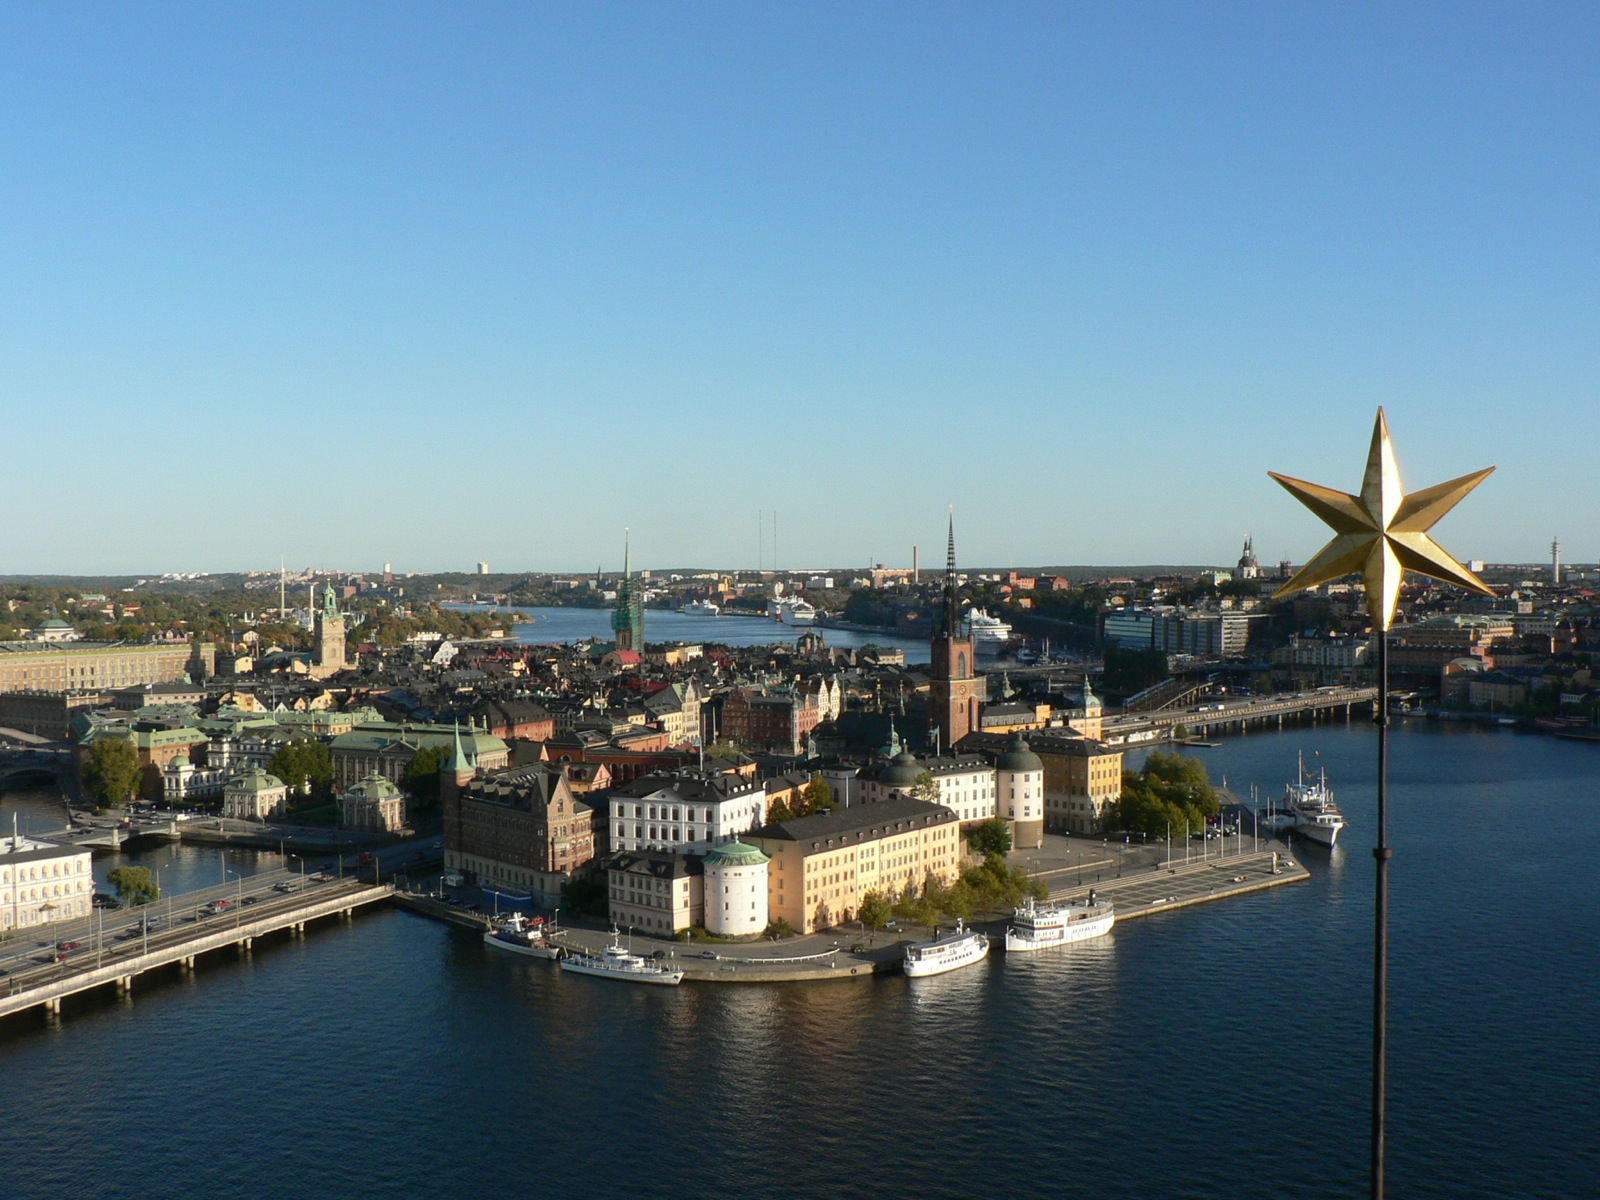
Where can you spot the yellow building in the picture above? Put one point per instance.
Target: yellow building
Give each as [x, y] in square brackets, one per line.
[824, 864]
[73, 666]
[1082, 777]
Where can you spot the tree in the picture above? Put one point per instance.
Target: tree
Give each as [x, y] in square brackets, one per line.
[134, 885]
[779, 810]
[992, 837]
[421, 776]
[818, 795]
[723, 748]
[1170, 792]
[112, 772]
[926, 788]
[304, 764]
[875, 911]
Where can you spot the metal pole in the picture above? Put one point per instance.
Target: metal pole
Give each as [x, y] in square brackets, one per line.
[1380, 948]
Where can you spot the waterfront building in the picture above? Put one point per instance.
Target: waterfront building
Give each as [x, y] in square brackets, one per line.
[822, 865]
[41, 882]
[76, 666]
[521, 829]
[956, 690]
[1019, 793]
[254, 796]
[684, 810]
[184, 783]
[655, 892]
[966, 783]
[373, 804]
[735, 889]
[46, 714]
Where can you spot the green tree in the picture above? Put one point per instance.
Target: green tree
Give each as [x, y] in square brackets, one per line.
[779, 810]
[587, 895]
[304, 764]
[723, 748]
[134, 885]
[875, 911]
[926, 787]
[818, 795]
[1171, 791]
[112, 772]
[421, 776]
[992, 837]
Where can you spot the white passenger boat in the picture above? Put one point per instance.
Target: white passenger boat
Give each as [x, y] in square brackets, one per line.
[1310, 804]
[701, 608]
[1041, 926]
[521, 936]
[614, 962]
[960, 948]
[792, 610]
[989, 633]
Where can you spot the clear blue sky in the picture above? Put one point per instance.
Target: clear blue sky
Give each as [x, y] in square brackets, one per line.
[435, 283]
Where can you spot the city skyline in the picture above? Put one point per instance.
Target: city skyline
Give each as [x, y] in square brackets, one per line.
[512, 279]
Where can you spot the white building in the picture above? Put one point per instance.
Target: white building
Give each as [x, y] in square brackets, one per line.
[41, 882]
[184, 783]
[254, 796]
[966, 783]
[684, 811]
[1019, 791]
[735, 889]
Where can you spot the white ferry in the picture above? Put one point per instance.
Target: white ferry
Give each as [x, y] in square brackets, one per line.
[521, 936]
[701, 608]
[616, 963]
[959, 948]
[1041, 926]
[990, 633]
[1310, 804]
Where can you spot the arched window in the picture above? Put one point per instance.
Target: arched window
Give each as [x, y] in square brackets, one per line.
[961, 665]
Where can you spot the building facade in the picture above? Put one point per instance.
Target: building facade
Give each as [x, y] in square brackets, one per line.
[521, 829]
[735, 889]
[684, 811]
[41, 883]
[254, 796]
[656, 892]
[76, 666]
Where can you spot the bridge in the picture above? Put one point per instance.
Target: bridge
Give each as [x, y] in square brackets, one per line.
[1236, 714]
[45, 764]
[111, 951]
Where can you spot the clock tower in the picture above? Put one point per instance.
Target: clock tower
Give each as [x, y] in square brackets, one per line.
[957, 689]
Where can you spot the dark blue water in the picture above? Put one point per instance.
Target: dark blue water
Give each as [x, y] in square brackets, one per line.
[547, 625]
[1212, 1052]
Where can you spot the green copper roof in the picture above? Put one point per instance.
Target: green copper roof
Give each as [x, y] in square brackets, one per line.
[735, 854]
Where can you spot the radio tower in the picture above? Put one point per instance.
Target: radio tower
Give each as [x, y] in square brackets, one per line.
[1555, 562]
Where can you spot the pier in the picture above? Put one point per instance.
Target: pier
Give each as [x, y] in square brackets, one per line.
[113, 952]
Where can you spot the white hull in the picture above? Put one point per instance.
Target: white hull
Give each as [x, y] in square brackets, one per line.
[583, 966]
[1323, 835]
[701, 608]
[540, 949]
[950, 953]
[1025, 940]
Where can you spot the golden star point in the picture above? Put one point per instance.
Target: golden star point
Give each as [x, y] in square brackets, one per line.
[1382, 533]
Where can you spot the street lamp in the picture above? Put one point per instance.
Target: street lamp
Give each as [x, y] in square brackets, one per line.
[238, 911]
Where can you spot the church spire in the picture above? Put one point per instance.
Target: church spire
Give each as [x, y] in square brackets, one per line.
[952, 605]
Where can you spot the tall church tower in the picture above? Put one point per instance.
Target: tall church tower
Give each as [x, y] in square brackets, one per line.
[627, 619]
[957, 690]
[330, 635]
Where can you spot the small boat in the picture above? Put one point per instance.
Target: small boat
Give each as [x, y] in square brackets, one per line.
[616, 963]
[960, 948]
[521, 936]
[1041, 926]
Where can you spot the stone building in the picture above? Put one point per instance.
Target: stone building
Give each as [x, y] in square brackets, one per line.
[76, 666]
[735, 889]
[656, 892]
[330, 637]
[41, 883]
[374, 804]
[254, 796]
[684, 811]
[521, 829]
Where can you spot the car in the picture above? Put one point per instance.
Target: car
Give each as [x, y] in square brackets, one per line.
[708, 954]
[283, 887]
[249, 899]
[68, 947]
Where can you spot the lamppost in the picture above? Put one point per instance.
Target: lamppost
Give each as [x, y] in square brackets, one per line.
[238, 908]
[1383, 533]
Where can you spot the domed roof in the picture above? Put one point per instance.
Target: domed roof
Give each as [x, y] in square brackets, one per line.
[1018, 757]
[255, 780]
[735, 854]
[902, 770]
[374, 787]
[180, 760]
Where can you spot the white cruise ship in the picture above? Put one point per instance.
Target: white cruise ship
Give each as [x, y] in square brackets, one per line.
[990, 633]
[701, 608]
[1310, 804]
[521, 936]
[616, 963]
[1041, 926]
[792, 610]
[960, 948]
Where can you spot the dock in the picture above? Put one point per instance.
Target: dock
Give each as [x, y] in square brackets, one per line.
[1200, 881]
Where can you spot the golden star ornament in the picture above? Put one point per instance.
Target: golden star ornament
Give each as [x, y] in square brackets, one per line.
[1382, 533]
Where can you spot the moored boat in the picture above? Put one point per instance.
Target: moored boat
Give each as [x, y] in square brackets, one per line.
[701, 608]
[614, 962]
[1041, 926]
[960, 948]
[1310, 803]
[521, 936]
[988, 632]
